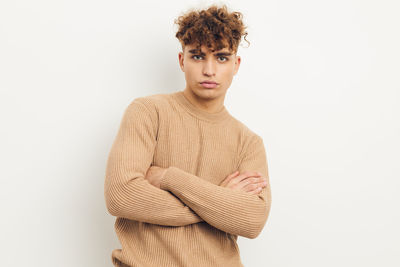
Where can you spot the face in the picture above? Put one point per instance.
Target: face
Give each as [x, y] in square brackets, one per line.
[218, 66]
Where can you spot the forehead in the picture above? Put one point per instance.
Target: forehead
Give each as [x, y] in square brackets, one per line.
[205, 50]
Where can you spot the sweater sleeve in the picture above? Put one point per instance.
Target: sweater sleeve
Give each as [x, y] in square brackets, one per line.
[127, 192]
[233, 211]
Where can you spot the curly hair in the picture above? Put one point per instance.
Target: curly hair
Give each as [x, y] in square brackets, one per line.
[214, 27]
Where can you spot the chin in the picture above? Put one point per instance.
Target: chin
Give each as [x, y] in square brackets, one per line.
[207, 93]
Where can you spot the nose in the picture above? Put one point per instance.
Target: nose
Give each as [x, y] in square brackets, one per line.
[209, 67]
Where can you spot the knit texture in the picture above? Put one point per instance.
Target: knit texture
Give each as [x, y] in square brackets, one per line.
[190, 220]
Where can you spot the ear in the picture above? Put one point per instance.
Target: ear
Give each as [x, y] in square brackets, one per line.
[181, 63]
[237, 64]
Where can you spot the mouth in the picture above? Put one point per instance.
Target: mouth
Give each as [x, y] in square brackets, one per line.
[209, 84]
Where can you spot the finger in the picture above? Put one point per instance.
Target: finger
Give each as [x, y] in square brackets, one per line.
[234, 174]
[230, 176]
[251, 187]
[245, 182]
[253, 180]
[247, 174]
[255, 191]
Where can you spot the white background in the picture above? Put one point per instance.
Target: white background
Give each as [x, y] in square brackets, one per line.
[319, 82]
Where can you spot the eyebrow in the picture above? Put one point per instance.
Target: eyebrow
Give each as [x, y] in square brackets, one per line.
[196, 51]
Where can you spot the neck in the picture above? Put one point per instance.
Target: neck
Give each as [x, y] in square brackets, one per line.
[210, 105]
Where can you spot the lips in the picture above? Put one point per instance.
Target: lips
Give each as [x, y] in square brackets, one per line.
[208, 82]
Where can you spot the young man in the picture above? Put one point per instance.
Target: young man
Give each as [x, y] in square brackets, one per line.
[184, 178]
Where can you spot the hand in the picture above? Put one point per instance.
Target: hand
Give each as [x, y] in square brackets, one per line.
[154, 175]
[248, 181]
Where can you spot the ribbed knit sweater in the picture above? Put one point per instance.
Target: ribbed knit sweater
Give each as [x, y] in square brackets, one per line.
[190, 220]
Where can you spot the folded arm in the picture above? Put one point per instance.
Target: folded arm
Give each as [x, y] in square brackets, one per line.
[233, 211]
[127, 193]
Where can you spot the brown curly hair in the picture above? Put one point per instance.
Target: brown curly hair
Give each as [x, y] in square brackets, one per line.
[214, 27]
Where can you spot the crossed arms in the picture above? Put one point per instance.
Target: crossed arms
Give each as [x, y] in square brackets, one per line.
[182, 198]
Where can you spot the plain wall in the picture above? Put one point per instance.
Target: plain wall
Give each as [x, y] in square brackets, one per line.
[319, 82]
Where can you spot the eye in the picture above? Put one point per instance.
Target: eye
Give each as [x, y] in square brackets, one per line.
[195, 56]
[226, 59]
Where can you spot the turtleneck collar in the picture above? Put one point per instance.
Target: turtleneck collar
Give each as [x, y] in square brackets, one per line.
[221, 115]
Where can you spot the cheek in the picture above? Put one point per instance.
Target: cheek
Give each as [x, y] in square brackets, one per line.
[190, 76]
[190, 71]
[228, 69]
[227, 73]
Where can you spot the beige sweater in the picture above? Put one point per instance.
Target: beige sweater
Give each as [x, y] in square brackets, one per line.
[190, 220]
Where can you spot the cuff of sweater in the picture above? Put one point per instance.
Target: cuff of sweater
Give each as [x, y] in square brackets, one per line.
[171, 177]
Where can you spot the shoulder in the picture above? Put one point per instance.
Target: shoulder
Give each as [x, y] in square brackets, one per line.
[146, 108]
[153, 103]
